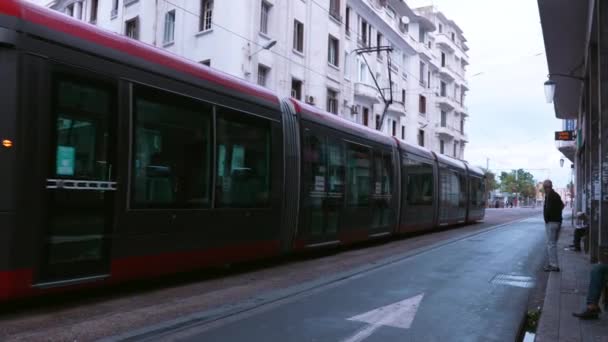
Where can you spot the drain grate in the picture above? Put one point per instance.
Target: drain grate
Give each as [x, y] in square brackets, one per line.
[513, 280]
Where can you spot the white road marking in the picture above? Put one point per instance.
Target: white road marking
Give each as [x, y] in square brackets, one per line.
[398, 315]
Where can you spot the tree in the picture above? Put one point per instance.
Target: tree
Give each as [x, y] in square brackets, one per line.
[491, 182]
[519, 181]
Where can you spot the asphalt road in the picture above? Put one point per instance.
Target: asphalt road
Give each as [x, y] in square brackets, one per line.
[219, 298]
[472, 289]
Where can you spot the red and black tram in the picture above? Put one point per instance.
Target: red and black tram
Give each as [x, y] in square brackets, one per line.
[121, 161]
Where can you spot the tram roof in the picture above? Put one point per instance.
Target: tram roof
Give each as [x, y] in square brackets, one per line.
[322, 117]
[34, 19]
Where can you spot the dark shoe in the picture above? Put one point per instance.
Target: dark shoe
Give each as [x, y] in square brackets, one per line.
[588, 314]
[551, 269]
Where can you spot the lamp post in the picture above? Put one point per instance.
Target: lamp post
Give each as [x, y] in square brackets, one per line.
[550, 85]
[269, 45]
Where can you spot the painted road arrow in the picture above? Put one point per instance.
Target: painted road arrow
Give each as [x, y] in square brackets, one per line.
[398, 315]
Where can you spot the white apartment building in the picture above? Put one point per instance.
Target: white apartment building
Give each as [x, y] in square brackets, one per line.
[307, 49]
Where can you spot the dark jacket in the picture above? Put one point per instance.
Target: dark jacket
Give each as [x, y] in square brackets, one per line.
[553, 207]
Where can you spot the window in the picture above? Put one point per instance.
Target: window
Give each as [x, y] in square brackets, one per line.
[441, 146]
[94, 7]
[378, 44]
[421, 35]
[394, 128]
[358, 175]
[403, 96]
[402, 132]
[206, 15]
[114, 12]
[444, 118]
[333, 48]
[347, 21]
[296, 89]
[365, 116]
[377, 121]
[169, 27]
[442, 59]
[243, 161]
[70, 10]
[421, 137]
[419, 183]
[264, 17]
[455, 148]
[298, 36]
[422, 67]
[440, 28]
[422, 104]
[132, 28]
[453, 36]
[362, 73]
[462, 126]
[332, 101]
[334, 9]
[263, 72]
[172, 151]
[364, 32]
[428, 79]
[206, 62]
[443, 89]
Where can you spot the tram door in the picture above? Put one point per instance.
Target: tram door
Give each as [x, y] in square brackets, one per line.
[323, 193]
[80, 186]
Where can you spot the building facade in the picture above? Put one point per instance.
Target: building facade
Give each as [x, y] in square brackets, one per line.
[322, 52]
[576, 41]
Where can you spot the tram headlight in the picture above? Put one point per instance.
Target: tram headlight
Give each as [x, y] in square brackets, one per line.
[7, 143]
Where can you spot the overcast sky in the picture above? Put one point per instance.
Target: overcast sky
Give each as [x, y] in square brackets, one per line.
[510, 122]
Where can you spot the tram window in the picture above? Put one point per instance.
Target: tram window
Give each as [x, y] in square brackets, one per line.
[243, 164]
[450, 188]
[314, 154]
[81, 152]
[336, 167]
[462, 181]
[359, 175]
[419, 183]
[171, 165]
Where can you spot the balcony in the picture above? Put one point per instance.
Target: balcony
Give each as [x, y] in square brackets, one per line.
[366, 91]
[425, 52]
[447, 103]
[445, 43]
[445, 131]
[463, 110]
[397, 107]
[446, 73]
[567, 148]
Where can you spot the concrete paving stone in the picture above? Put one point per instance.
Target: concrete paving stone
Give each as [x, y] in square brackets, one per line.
[569, 327]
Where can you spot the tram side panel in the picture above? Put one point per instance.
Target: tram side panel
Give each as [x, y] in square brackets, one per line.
[9, 155]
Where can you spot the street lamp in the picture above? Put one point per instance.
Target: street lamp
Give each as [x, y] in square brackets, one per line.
[265, 47]
[550, 85]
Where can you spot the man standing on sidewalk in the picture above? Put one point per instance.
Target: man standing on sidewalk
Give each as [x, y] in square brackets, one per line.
[553, 220]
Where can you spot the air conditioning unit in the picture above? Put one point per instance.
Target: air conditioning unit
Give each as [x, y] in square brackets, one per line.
[354, 110]
[310, 99]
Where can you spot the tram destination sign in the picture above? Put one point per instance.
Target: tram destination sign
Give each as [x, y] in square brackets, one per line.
[564, 136]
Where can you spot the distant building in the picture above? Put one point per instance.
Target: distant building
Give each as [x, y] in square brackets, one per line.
[308, 50]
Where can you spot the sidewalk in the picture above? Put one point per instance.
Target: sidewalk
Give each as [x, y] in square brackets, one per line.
[565, 294]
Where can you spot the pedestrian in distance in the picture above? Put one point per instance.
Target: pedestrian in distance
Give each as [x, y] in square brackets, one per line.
[597, 282]
[552, 212]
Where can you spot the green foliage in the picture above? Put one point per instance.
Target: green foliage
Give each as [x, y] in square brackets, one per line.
[519, 181]
[491, 182]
